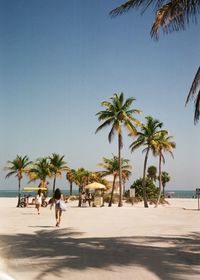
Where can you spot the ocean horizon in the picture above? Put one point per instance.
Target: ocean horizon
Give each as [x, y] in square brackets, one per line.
[173, 193]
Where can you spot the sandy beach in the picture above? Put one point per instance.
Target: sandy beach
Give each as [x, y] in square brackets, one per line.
[130, 242]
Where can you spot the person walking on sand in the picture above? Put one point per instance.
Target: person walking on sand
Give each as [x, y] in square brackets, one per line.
[38, 201]
[59, 205]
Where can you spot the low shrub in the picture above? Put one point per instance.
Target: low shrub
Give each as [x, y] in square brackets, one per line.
[151, 190]
[115, 198]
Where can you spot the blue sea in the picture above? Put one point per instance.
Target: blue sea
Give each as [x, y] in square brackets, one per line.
[174, 193]
[14, 193]
[181, 193]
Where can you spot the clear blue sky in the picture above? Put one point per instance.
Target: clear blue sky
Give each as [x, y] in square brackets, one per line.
[60, 59]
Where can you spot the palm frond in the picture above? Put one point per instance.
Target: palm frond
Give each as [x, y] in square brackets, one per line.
[134, 111]
[170, 17]
[111, 134]
[103, 125]
[10, 174]
[124, 8]
[192, 93]
[197, 108]
[120, 99]
[128, 102]
[130, 127]
[137, 144]
[104, 115]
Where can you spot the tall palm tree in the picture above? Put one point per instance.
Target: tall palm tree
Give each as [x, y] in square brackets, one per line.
[170, 16]
[41, 170]
[163, 144]
[111, 167]
[117, 114]
[147, 137]
[165, 177]
[17, 167]
[57, 166]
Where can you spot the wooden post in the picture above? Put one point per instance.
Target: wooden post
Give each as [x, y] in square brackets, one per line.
[198, 193]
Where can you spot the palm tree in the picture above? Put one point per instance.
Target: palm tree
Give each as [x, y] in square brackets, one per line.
[152, 173]
[41, 170]
[111, 166]
[165, 179]
[17, 167]
[163, 144]
[170, 16]
[118, 114]
[57, 166]
[80, 178]
[147, 138]
[70, 179]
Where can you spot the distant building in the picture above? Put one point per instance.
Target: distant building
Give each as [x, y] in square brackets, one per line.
[109, 179]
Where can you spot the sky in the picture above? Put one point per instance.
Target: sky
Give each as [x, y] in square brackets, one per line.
[61, 59]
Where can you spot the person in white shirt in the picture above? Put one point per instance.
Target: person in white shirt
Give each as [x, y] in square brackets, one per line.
[38, 201]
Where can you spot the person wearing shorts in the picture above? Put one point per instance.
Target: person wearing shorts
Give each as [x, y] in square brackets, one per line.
[38, 201]
[57, 197]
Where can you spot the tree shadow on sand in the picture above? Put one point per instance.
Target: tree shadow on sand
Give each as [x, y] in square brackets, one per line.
[53, 251]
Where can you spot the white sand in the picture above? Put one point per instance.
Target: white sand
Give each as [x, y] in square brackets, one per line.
[130, 242]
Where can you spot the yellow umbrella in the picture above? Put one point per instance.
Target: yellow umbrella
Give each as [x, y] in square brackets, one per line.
[95, 186]
[34, 189]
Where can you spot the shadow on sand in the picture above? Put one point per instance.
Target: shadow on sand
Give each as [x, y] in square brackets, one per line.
[167, 257]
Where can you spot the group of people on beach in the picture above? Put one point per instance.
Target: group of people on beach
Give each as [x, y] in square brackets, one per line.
[56, 200]
[86, 197]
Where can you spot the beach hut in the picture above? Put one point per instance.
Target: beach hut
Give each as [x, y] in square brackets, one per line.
[110, 179]
[98, 196]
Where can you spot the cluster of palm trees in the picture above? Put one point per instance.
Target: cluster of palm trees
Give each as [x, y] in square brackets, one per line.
[54, 166]
[118, 113]
[81, 177]
[150, 135]
[152, 174]
[42, 169]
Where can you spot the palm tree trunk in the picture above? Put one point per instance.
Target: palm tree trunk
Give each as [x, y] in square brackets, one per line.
[120, 170]
[54, 183]
[144, 180]
[124, 187]
[70, 192]
[163, 190]
[80, 193]
[111, 197]
[160, 182]
[19, 191]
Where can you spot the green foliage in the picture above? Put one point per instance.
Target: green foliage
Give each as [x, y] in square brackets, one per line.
[152, 172]
[17, 167]
[165, 177]
[111, 166]
[57, 164]
[41, 170]
[151, 189]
